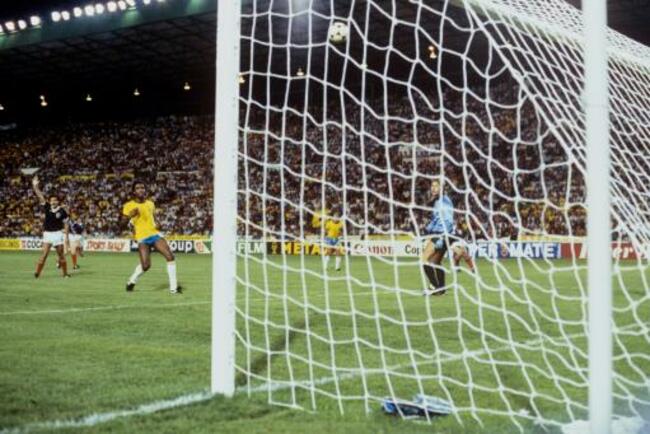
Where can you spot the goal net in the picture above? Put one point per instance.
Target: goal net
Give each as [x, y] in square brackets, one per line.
[358, 119]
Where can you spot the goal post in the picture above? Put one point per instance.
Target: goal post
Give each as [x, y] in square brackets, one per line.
[224, 210]
[333, 124]
[599, 238]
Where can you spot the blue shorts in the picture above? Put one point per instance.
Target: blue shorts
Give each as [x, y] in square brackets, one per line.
[150, 241]
[331, 241]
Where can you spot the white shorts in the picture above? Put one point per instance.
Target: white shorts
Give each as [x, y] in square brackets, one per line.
[54, 238]
[75, 241]
[457, 245]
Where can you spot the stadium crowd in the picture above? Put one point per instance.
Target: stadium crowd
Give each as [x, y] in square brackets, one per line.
[92, 166]
[505, 177]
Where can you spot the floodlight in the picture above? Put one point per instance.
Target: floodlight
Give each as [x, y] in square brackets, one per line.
[136, 92]
[10, 26]
[122, 5]
[77, 12]
[56, 16]
[111, 6]
[187, 86]
[89, 98]
[99, 8]
[35, 20]
[22, 25]
[65, 15]
[146, 2]
[131, 3]
[89, 10]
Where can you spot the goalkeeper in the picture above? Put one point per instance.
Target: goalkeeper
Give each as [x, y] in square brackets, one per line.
[437, 242]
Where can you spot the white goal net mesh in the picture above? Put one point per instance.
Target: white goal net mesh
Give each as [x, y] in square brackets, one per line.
[484, 96]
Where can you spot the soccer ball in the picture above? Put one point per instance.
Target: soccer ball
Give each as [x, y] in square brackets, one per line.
[338, 32]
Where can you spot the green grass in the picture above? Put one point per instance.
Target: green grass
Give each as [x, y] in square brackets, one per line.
[498, 346]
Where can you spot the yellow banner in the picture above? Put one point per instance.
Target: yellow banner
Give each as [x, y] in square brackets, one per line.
[298, 248]
[91, 176]
[174, 237]
[9, 244]
[396, 237]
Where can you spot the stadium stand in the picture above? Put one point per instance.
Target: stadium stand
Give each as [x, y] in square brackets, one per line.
[91, 166]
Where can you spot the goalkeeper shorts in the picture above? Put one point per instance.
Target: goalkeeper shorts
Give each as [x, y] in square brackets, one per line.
[440, 242]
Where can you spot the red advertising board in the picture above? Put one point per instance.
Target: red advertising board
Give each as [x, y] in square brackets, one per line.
[620, 251]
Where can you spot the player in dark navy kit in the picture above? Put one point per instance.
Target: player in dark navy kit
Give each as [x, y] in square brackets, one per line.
[77, 231]
[55, 230]
[438, 231]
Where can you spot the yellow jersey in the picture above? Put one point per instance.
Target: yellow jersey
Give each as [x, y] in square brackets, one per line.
[143, 223]
[333, 228]
[317, 218]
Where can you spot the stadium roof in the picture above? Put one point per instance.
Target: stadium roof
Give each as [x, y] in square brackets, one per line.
[156, 49]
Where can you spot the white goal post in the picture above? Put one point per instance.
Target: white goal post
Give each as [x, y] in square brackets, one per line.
[224, 210]
[599, 242]
[534, 120]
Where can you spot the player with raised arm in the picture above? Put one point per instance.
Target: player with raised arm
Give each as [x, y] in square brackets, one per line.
[140, 212]
[55, 229]
[437, 243]
[333, 230]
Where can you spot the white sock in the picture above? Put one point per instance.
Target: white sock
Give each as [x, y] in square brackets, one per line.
[338, 263]
[171, 271]
[137, 273]
[327, 260]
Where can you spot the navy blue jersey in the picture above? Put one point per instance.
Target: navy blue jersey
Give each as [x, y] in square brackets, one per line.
[442, 218]
[54, 218]
[76, 228]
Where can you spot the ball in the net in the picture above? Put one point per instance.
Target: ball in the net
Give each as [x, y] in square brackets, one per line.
[338, 32]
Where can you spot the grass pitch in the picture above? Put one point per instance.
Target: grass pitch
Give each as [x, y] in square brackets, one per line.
[504, 347]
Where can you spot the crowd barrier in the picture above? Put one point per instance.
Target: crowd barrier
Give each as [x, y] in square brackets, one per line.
[116, 245]
[355, 246]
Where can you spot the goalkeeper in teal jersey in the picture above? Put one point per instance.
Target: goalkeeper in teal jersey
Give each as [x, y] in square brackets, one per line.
[438, 231]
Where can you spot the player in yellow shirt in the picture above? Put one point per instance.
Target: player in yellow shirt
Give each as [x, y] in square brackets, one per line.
[317, 218]
[333, 231]
[140, 212]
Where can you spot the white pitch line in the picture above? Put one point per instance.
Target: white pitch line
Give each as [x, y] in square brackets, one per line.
[96, 308]
[98, 418]
[127, 306]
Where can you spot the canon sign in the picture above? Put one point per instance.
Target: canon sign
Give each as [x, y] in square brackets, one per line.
[385, 248]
